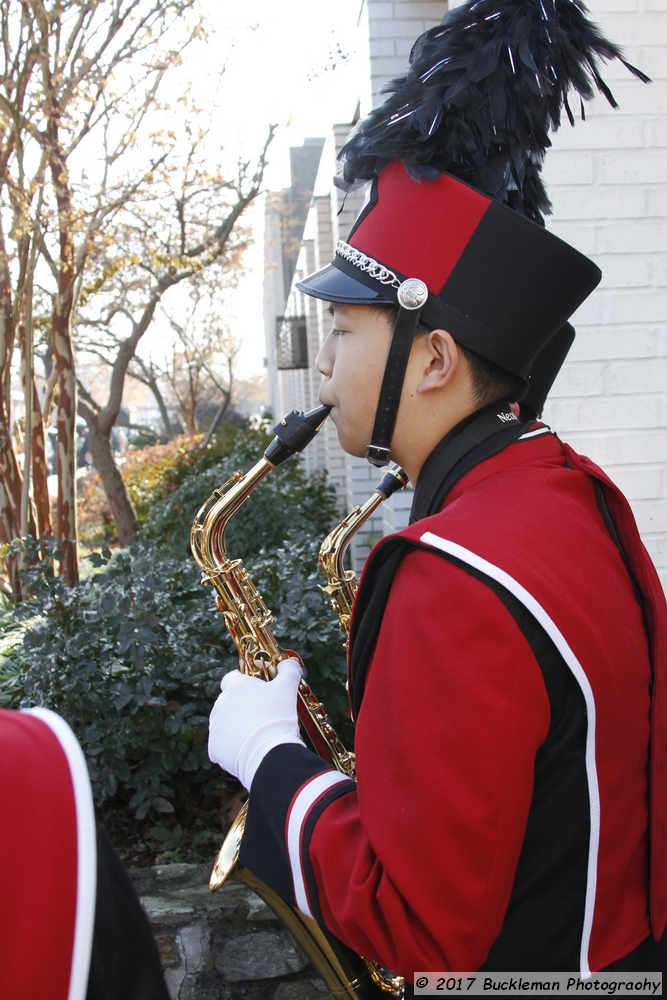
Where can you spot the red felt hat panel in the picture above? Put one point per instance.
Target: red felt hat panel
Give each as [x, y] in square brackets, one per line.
[419, 228]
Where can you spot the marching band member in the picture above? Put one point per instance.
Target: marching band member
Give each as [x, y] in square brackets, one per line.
[71, 925]
[507, 652]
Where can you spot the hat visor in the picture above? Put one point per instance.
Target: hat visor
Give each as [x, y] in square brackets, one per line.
[333, 285]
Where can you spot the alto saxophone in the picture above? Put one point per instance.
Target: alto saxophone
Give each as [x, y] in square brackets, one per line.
[249, 622]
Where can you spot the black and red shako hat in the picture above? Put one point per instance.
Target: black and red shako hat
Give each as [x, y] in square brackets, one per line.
[499, 283]
[451, 233]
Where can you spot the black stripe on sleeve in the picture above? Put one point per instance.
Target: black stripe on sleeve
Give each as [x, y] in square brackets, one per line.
[313, 816]
[544, 920]
[124, 962]
[263, 847]
[543, 923]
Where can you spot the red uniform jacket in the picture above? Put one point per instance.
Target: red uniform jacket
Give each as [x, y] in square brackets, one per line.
[506, 711]
[47, 835]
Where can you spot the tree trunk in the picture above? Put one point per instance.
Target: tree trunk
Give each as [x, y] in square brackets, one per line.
[100, 426]
[10, 473]
[40, 472]
[41, 511]
[38, 451]
[9, 531]
[9, 470]
[64, 359]
[219, 414]
[66, 440]
[114, 487]
[169, 431]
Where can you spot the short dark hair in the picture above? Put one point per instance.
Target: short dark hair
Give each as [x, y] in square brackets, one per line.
[489, 381]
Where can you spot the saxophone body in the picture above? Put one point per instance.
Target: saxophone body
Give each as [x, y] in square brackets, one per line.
[249, 622]
[246, 616]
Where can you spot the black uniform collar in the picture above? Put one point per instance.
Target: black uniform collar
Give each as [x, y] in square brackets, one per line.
[476, 438]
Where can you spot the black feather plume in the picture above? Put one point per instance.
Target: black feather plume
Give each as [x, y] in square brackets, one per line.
[482, 93]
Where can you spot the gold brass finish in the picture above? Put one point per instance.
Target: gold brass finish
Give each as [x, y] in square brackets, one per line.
[246, 616]
[229, 852]
[341, 584]
[344, 973]
[249, 622]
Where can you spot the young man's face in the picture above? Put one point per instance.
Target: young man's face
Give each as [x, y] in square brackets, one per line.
[352, 361]
[436, 390]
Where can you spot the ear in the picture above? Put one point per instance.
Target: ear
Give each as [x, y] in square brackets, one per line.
[441, 360]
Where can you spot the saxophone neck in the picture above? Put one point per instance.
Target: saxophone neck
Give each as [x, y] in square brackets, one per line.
[207, 535]
[334, 546]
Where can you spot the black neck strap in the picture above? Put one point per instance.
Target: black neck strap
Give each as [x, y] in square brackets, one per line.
[450, 458]
[379, 449]
[474, 439]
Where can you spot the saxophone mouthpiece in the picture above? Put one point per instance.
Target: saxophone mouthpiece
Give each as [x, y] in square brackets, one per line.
[315, 418]
[294, 432]
[396, 479]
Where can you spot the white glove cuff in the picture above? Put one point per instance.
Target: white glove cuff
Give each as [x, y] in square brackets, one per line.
[255, 748]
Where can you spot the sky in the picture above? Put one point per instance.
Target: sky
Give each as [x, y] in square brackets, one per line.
[283, 66]
[294, 64]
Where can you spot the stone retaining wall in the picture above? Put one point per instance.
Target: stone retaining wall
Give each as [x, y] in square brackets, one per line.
[226, 945]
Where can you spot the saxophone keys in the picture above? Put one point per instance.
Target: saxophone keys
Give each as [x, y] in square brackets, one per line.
[221, 490]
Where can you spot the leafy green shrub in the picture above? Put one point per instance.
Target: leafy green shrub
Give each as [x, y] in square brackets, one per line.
[288, 500]
[151, 474]
[133, 655]
[12, 632]
[132, 658]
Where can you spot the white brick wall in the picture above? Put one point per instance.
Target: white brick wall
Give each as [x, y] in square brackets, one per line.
[391, 29]
[606, 178]
[607, 181]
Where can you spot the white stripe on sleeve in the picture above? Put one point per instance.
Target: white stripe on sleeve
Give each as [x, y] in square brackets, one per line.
[299, 811]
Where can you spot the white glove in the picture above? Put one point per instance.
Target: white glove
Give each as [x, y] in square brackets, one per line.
[251, 717]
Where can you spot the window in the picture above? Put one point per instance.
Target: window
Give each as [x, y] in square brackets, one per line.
[291, 342]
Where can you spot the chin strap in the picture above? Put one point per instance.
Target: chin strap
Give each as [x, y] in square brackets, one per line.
[412, 296]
